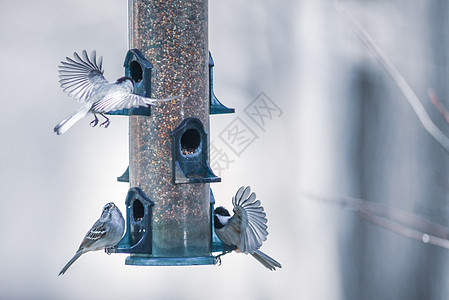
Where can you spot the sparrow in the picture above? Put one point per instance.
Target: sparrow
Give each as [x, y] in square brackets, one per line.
[104, 234]
[82, 78]
[247, 228]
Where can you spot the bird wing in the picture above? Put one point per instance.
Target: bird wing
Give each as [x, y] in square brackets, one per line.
[97, 231]
[80, 77]
[122, 99]
[249, 216]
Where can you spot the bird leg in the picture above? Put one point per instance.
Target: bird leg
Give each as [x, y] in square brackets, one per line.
[105, 124]
[218, 257]
[94, 122]
[110, 250]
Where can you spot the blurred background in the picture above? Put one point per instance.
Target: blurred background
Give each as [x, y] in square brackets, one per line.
[340, 127]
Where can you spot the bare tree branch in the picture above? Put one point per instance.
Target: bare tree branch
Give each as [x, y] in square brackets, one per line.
[404, 230]
[443, 111]
[398, 221]
[402, 84]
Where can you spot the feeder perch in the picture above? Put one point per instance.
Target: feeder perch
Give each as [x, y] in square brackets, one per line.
[216, 107]
[124, 177]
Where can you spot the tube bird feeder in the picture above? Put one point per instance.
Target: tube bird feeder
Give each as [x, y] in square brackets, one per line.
[169, 206]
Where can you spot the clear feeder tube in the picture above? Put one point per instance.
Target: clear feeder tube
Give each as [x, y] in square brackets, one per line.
[173, 36]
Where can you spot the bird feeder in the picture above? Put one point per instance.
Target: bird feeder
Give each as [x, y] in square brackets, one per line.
[169, 207]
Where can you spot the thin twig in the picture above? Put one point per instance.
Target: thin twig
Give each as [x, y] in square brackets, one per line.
[443, 111]
[403, 223]
[402, 84]
[405, 231]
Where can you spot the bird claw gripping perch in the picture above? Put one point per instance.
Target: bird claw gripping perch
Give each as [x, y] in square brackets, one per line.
[218, 257]
[110, 250]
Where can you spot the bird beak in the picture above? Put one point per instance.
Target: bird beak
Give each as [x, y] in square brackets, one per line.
[109, 206]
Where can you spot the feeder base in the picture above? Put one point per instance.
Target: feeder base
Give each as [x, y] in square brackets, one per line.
[143, 260]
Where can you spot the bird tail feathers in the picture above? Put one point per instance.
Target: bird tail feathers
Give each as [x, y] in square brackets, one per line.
[68, 122]
[74, 258]
[266, 260]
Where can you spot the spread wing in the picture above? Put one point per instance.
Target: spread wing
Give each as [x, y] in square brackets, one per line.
[251, 216]
[79, 77]
[97, 231]
[122, 99]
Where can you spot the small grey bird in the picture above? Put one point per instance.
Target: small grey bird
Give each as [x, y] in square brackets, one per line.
[247, 228]
[104, 234]
[82, 78]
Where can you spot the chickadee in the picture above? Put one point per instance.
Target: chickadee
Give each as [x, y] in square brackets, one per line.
[104, 234]
[83, 80]
[247, 228]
